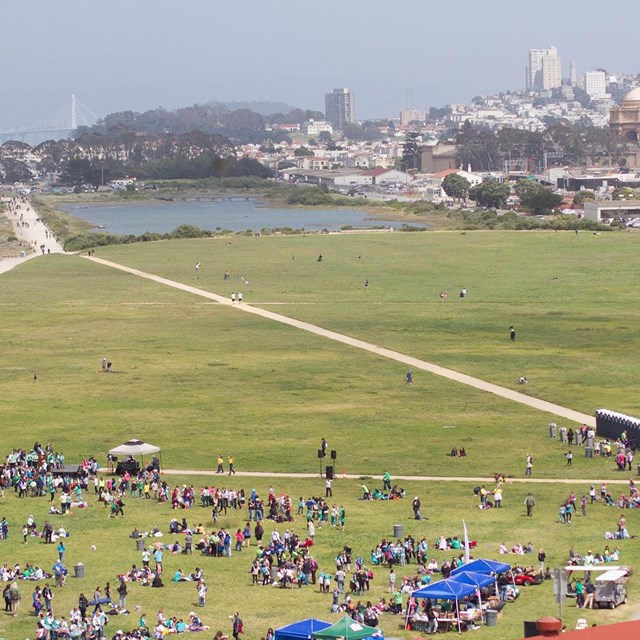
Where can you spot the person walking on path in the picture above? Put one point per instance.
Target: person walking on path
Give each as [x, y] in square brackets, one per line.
[386, 481]
[529, 503]
[220, 468]
[528, 469]
[512, 333]
[231, 469]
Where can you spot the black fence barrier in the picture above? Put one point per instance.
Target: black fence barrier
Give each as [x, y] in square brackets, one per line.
[612, 424]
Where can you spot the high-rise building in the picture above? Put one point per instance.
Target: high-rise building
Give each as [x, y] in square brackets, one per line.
[544, 70]
[339, 107]
[573, 76]
[551, 71]
[595, 84]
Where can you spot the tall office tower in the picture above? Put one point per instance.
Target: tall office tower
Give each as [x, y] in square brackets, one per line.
[544, 70]
[595, 84]
[573, 76]
[551, 70]
[339, 107]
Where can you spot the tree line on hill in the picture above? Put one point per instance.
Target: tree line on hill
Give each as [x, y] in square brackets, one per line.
[560, 144]
[240, 126]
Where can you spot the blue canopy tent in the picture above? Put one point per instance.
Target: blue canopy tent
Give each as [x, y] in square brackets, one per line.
[484, 566]
[301, 630]
[445, 590]
[478, 580]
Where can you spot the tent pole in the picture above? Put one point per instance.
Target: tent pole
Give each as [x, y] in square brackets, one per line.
[458, 616]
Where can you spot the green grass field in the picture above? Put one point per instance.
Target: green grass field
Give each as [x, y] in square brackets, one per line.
[198, 378]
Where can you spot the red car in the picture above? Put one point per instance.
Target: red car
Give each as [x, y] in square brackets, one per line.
[527, 579]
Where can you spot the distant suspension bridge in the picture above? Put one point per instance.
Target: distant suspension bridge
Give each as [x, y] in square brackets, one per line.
[55, 127]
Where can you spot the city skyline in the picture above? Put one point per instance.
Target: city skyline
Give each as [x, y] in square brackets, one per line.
[123, 56]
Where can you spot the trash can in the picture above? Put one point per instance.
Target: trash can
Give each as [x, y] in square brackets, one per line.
[78, 570]
[563, 434]
[578, 437]
[553, 430]
[140, 544]
[588, 452]
[398, 530]
[603, 451]
[590, 443]
[491, 617]
[274, 573]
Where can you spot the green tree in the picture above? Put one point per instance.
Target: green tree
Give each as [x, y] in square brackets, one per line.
[302, 151]
[490, 193]
[582, 196]
[478, 149]
[456, 186]
[536, 198]
[411, 156]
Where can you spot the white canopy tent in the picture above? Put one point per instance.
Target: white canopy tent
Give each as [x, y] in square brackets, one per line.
[135, 448]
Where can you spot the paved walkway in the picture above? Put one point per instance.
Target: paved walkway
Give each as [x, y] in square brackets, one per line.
[414, 363]
[357, 476]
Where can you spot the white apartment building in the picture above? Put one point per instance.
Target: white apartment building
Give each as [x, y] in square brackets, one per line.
[595, 84]
[314, 127]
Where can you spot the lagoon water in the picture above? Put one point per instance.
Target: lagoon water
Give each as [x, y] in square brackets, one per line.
[234, 215]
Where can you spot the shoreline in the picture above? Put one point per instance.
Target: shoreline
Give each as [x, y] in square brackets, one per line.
[385, 214]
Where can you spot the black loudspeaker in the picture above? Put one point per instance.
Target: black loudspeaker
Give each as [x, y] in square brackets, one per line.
[329, 472]
[334, 454]
[320, 453]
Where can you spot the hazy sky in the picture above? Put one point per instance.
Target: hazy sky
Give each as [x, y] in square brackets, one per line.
[138, 54]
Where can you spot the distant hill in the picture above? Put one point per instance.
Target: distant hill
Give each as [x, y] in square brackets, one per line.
[264, 108]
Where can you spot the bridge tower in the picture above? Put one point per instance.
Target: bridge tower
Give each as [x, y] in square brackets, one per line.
[74, 112]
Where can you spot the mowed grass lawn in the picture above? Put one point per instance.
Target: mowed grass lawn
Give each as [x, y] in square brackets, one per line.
[229, 582]
[199, 378]
[570, 297]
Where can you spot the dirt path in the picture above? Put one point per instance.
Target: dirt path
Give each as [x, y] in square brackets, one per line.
[351, 476]
[414, 363]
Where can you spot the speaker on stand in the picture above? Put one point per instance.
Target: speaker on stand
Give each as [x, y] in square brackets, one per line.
[329, 472]
[334, 454]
